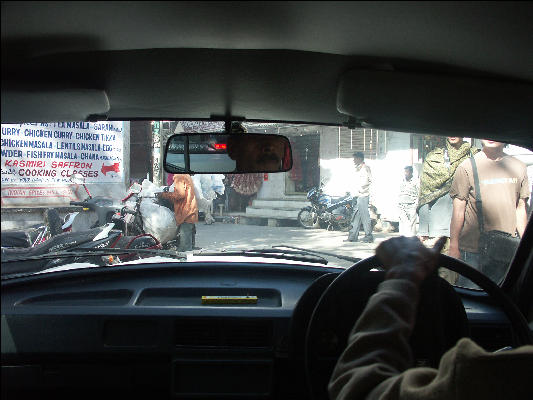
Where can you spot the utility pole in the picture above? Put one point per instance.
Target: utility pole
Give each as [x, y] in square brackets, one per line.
[165, 133]
[156, 152]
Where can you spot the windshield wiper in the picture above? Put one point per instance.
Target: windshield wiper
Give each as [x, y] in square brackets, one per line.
[341, 257]
[271, 253]
[97, 251]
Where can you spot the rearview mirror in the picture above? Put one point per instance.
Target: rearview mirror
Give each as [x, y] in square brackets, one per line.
[223, 153]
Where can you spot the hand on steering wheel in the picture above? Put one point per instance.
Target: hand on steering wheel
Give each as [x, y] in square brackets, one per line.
[330, 317]
[408, 258]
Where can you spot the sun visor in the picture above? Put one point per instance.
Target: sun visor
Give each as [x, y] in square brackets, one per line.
[452, 106]
[53, 105]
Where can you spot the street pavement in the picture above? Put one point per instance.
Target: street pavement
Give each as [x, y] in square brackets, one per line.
[228, 236]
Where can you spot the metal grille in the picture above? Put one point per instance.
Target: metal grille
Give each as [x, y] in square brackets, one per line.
[364, 140]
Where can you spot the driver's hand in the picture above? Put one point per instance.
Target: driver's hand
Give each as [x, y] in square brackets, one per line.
[408, 258]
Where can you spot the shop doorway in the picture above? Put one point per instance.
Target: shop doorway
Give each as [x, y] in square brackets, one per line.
[305, 172]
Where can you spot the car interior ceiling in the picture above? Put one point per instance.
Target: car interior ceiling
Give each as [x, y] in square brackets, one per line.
[289, 86]
[125, 331]
[278, 74]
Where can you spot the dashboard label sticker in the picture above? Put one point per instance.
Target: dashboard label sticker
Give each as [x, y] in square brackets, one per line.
[229, 299]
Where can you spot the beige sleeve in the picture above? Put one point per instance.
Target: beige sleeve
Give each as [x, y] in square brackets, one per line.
[376, 360]
[376, 363]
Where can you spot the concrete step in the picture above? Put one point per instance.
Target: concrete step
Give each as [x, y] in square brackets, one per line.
[272, 213]
[280, 204]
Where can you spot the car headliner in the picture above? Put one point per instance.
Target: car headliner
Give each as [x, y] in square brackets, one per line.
[256, 60]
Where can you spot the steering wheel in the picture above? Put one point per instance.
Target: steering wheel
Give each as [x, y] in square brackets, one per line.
[344, 299]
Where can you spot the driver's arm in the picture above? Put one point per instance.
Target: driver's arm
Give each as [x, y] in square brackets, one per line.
[377, 362]
[378, 352]
[378, 347]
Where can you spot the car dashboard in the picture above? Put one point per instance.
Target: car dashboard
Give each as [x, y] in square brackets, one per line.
[144, 331]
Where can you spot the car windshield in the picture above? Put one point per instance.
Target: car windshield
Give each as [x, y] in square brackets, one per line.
[347, 191]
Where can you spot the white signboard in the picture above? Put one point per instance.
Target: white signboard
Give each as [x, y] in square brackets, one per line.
[40, 153]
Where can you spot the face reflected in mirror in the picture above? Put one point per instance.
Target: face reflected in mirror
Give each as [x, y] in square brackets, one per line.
[259, 153]
[223, 153]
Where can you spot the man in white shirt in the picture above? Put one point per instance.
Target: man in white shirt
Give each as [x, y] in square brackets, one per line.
[407, 202]
[363, 180]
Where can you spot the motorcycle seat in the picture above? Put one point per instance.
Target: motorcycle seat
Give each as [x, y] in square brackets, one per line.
[55, 243]
[335, 200]
[15, 239]
[21, 237]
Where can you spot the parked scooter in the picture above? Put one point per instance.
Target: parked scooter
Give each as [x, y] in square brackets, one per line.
[53, 225]
[76, 242]
[37, 234]
[128, 219]
[103, 207]
[334, 213]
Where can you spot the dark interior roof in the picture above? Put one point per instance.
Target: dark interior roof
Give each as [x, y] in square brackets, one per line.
[489, 36]
[259, 60]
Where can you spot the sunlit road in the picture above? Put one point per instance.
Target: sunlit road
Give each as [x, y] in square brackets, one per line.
[219, 236]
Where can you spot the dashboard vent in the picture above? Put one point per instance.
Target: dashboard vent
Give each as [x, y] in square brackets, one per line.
[223, 333]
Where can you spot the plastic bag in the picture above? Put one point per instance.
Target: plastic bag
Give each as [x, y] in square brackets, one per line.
[149, 189]
[158, 221]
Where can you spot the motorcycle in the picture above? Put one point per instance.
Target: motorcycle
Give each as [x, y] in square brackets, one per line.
[53, 224]
[39, 233]
[325, 210]
[103, 207]
[78, 242]
[131, 221]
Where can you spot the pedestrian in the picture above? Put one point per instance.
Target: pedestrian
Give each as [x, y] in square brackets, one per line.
[363, 180]
[434, 203]
[185, 210]
[489, 192]
[407, 203]
[378, 361]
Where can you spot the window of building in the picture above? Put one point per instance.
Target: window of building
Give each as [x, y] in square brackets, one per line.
[372, 142]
